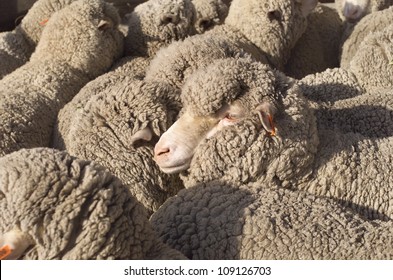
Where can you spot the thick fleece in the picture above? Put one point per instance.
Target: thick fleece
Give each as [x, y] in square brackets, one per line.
[72, 209]
[219, 220]
[110, 129]
[265, 30]
[350, 167]
[62, 63]
[17, 46]
[319, 47]
[367, 35]
[135, 66]
[157, 23]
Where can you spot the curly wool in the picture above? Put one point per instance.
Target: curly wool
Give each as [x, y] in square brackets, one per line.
[157, 23]
[280, 158]
[73, 209]
[305, 154]
[107, 122]
[319, 47]
[370, 26]
[220, 220]
[61, 64]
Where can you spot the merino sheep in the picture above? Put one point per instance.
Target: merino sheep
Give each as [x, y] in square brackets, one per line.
[62, 63]
[354, 10]
[157, 36]
[120, 89]
[366, 71]
[54, 206]
[116, 126]
[17, 46]
[156, 23]
[319, 47]
[265, 30]
[245, 137]
[372, 34]
[290, 151]
[250, 26]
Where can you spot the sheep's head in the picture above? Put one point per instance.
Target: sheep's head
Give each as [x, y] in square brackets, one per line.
[84, 35]
[156, 23]
[273, 26]
[354, 10]
[239, 117]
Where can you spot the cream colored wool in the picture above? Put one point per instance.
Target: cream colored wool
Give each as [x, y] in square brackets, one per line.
[31, 97]
[73, 209]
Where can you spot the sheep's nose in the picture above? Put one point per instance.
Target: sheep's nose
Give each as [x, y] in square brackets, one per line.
[351, 11]
[169, 18]
[161, 151]
[203, 25]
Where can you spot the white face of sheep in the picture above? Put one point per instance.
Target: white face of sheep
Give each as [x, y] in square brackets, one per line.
[176, 147]
[353, 10]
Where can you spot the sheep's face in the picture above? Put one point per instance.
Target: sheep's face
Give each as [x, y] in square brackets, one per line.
[352, 10]
[228, 101]
[157, 23]
[177, 145]
[240, 121]
[273, 26]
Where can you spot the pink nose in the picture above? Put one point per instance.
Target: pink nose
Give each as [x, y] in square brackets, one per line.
[161, 151]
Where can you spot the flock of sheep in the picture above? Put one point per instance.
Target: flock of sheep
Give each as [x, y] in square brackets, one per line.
[198, 129]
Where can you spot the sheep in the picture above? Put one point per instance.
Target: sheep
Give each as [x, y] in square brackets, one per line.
[290, 150]
[247, 145]
[114, 90]
[115, 125]
[220, 220]
[54, 206]
[371, 26]
[367, 71]
[32, 95]
[319, 47]
[250, 26]
[354, 10]
[156, 23]
[17, 46]
[156, 35]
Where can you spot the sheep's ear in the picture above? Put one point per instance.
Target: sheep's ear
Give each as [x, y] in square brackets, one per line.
[144, 134]
[105, 24]
[5, 251]
[13, 244]
[266, 113]
[306, 6]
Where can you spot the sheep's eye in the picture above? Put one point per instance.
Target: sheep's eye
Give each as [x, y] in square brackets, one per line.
[231, 117]
[205, 24]
[274, 15]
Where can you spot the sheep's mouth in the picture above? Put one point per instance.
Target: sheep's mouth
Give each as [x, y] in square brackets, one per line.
[176, 167]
